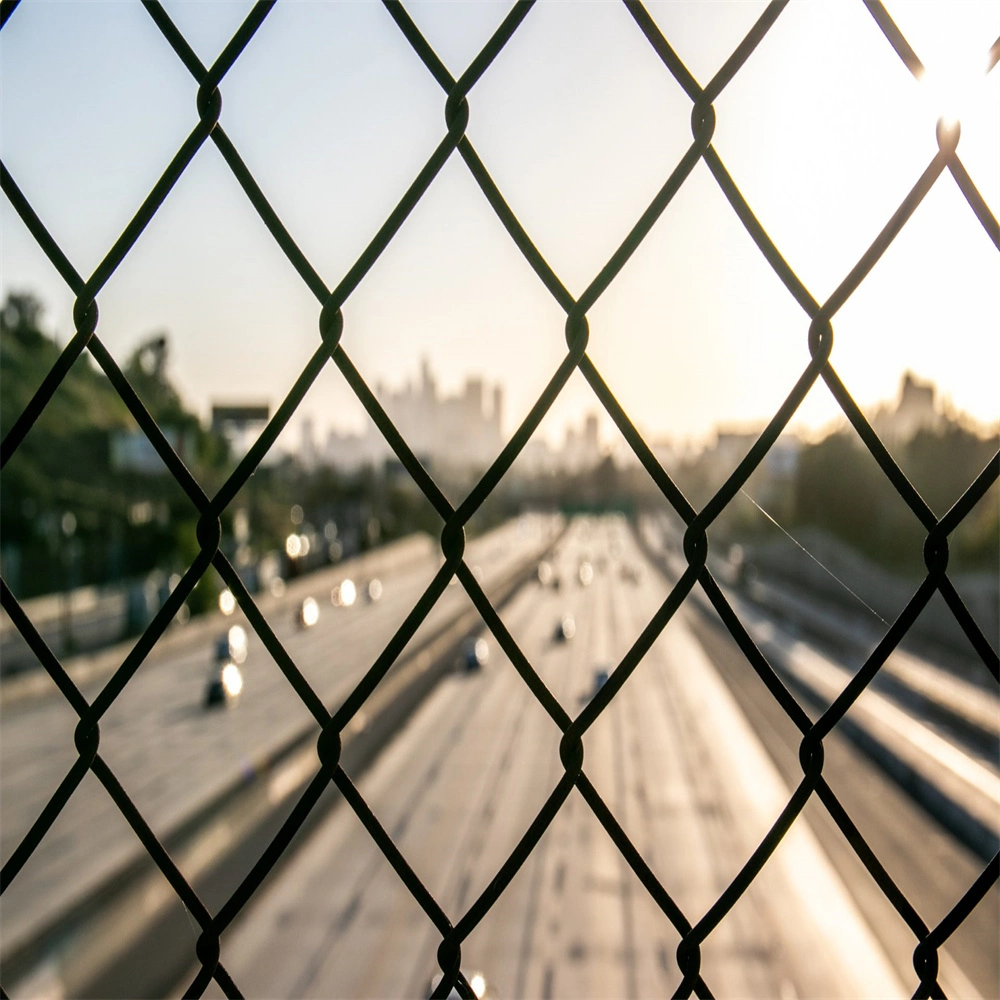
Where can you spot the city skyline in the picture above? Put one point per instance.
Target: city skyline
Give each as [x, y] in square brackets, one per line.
[404, 401]
[463, 430]
[695, 332]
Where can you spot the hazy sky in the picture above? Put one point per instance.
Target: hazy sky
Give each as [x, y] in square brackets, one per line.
[579, 123]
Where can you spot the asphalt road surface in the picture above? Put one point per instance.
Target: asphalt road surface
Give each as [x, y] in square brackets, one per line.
[171, 754]
[695, 764]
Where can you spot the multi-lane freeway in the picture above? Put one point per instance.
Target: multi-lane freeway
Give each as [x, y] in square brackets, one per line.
[174, 757]
[695, 761]
[693, 757]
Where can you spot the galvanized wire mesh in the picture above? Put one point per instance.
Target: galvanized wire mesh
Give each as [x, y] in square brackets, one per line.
[819, 331]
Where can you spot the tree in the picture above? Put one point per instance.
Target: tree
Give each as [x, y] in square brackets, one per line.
[146, 370]
[20, 319]
[840, 487]
[127, 521]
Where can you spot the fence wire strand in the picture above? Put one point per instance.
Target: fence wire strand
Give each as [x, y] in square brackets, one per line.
[334, 721]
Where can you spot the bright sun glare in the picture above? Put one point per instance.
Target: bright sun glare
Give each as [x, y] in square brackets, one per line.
[954, 78]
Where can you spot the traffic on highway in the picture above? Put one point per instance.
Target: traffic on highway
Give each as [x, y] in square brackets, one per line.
[180, 746]
[693, 764]
[693, 759]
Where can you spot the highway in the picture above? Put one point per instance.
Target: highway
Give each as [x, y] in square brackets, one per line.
[694, 760]
[936, 740]
[173, 756]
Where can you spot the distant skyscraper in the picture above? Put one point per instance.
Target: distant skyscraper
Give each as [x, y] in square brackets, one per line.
[455, 431]
[497, 415]
[915, 410]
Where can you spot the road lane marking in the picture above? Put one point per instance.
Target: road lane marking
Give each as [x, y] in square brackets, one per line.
[830, 679]
[827, 904]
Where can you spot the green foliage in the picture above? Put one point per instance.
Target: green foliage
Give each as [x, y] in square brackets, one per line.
[840, 487]
[20, 318]
[84, 402]
[942, 464]
[124, 523]
[146, 371]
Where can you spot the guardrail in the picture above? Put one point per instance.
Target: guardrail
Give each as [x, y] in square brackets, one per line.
[86, 668]
[952, 785]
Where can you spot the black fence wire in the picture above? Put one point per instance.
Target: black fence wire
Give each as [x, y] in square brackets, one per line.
[817, 326]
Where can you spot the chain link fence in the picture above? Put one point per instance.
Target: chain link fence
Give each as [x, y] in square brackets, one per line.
[817, 328]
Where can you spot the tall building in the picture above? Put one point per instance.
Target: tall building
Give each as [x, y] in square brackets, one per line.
[915, 410]
[453, 431]
[582, 448]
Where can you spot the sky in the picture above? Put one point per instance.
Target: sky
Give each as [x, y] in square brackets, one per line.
[579, 123]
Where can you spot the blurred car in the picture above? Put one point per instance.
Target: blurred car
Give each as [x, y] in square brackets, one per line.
[225, 679]
[225, 682]
[565, 629]
[308, 613]
[344, 594]
[231, 646]
[545, 573]
[601, 675]
[475, 653]
[373, 590]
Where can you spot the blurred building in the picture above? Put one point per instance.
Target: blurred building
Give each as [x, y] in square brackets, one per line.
[915, 410]
[537, 458]
[582, 449]
[580, 452]
[239, 424]
[132, 451]
[459, 431]
[669, 453]
[351, 452]
[772, 481]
